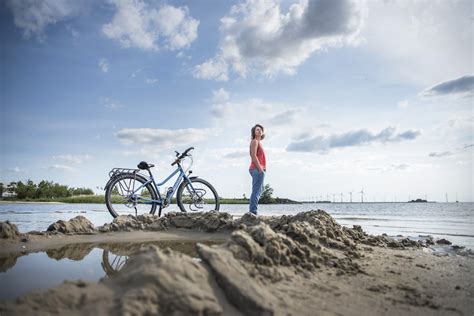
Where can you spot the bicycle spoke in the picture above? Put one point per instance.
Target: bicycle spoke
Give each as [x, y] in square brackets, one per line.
[198, 196]
[124, 191]
[124, 200]
[113, 263]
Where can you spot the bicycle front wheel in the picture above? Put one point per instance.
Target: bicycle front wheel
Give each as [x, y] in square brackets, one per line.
[197, 195]
[112, 263]
[127, 194]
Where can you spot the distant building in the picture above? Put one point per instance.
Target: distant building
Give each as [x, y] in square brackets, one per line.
[8, 194]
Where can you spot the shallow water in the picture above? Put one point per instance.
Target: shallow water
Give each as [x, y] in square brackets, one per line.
[20, 273]
[453, 221]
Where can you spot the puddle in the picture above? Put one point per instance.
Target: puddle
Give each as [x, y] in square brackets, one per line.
[21, 273]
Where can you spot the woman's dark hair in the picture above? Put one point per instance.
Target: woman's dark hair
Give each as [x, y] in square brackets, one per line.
[252, 132]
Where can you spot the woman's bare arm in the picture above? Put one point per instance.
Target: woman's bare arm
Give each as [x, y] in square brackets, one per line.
[253, 154]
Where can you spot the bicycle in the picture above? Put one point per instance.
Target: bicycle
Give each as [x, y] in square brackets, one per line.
[129, 189]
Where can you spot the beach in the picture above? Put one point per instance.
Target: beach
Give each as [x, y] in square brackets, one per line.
[304, 264]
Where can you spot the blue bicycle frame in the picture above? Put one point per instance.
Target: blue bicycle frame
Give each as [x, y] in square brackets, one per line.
[167, 199]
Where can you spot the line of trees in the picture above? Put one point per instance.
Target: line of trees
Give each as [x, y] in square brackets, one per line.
[266, 197]
[42, 190]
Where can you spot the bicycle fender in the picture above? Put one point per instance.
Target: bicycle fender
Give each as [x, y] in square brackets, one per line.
[118, 175]
[191, 178]
[108, 183]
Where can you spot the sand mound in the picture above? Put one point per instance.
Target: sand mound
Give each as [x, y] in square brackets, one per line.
[76, 225]
[154, 282]
[239, 287]
[260, 251]
[237, 274]
[9, 231]
[304, 242]
[310, 228]
[207, 222]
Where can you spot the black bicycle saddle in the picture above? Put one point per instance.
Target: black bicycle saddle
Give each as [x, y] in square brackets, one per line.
[144, 165]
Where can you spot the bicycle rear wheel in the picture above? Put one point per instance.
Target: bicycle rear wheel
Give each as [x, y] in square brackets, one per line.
[197, 195]
[127, 195]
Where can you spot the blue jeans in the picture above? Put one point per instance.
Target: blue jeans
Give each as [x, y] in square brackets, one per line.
[257, 189]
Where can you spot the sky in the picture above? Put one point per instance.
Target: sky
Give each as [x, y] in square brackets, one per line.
[365, 95]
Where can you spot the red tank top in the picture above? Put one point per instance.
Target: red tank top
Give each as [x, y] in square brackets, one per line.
[260, 157]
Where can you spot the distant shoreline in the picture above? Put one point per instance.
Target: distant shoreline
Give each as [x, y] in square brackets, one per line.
[100, 199]
[31, 202]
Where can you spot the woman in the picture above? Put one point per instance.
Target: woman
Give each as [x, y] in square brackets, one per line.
[257, 167]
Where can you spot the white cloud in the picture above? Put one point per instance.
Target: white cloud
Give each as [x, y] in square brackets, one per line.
[403, 104]
[323, 144]
[417, 39]
[236, 153]
[111, 103]
[440, 154]
[136, 72]
[76, 159]
[16, 170]
[242, 112]
[151, 80]
[455, 151]
[33, 16]
[220, 107]
[104, 65]
[258, 38]
[221, 110]
[137, 24]
[282, 119]
[61, 168]
[286, 117]
[220, 96]
[391, 167]
[74, 33]
[162, 137]
[216, 69]
[463, 86]
[401, 166]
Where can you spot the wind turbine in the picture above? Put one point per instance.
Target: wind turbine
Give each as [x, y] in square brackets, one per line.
[351, 195]
[362, 195]
[341, 197]
[333, 198]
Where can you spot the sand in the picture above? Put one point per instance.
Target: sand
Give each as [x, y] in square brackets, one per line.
[305, 264]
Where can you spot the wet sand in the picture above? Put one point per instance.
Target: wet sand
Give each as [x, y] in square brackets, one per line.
[305, 264]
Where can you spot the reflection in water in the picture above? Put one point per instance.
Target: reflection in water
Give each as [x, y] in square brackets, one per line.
[8, 261]
[112, 263]
[114, 256]
[23, 272]
[76, 252]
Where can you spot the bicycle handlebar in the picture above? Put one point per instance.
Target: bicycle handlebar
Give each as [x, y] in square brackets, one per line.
[183, 155]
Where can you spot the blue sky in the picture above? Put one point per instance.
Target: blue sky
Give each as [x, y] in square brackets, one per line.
[353, 95]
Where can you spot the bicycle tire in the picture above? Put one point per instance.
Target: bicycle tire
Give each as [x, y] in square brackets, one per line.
[108, 267]
[123, 178]
[181, 201]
